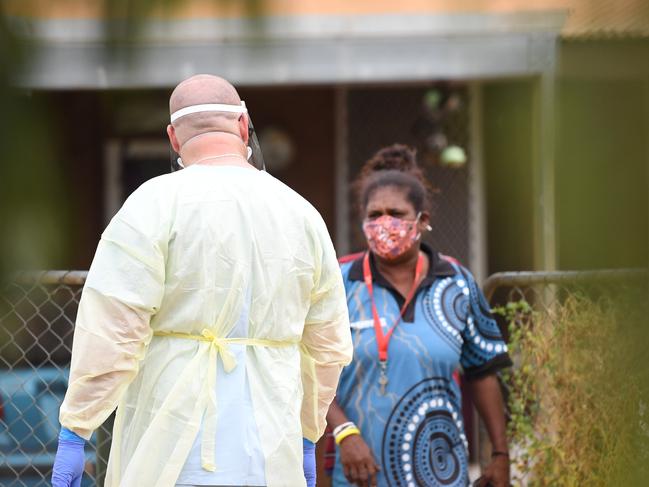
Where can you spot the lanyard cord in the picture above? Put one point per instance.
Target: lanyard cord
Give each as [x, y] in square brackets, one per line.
[382, 341]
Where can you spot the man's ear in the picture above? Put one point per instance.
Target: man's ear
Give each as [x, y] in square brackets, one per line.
[171, 132]
[243, 128]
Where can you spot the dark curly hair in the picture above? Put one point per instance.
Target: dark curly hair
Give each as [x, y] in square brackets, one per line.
[393, 166]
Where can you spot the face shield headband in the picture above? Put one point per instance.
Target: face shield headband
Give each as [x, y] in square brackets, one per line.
[255, 157]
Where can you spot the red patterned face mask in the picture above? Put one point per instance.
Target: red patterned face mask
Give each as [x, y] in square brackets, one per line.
[390, 237]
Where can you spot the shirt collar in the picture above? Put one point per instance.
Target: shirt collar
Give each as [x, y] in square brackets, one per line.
[439, 267]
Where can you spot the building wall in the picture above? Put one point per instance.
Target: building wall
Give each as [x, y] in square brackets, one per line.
[508, 115]
[202, 8]
[306, 114]
[586, 17]
[84, 122]
[75, 127]
[602, 157]
[601, 160]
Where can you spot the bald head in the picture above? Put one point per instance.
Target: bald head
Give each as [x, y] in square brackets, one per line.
[202, 89]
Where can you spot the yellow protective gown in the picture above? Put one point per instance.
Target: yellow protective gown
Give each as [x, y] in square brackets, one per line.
[171, 275]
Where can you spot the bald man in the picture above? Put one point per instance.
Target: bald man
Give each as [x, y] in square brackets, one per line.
[213, 319]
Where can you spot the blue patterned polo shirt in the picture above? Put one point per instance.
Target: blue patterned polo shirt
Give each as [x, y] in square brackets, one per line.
[415, 430]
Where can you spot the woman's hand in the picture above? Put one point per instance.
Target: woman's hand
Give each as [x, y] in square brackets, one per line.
[496, 473]
[489, 402]
[358, 462]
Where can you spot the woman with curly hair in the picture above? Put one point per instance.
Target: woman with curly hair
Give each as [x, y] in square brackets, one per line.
[416, 318]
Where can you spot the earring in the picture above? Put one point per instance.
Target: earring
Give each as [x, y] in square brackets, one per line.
[429, 228]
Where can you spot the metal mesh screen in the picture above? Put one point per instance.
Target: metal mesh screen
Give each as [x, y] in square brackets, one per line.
[37, 313]
[378, 117]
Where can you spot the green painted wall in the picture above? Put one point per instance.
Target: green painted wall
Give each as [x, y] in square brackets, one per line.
[602, 154]
[508, 136]
[601, 160]
[601, 173]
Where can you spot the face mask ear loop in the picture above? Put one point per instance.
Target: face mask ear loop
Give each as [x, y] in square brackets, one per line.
[428, 227]
[175, 161]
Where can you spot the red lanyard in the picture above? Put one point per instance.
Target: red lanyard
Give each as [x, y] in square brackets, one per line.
[382, 340]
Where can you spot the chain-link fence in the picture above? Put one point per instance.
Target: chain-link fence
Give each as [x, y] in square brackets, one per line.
[37, 312]
[577, 394]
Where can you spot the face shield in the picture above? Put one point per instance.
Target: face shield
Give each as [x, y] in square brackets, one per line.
[255, 156]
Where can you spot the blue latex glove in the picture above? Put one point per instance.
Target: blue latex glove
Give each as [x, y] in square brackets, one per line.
[309, 462]
[69, 461]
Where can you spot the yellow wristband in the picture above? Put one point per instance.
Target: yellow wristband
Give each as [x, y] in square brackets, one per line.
[347, 432]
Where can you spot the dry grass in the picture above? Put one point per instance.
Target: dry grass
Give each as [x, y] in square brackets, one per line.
[579, 394]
